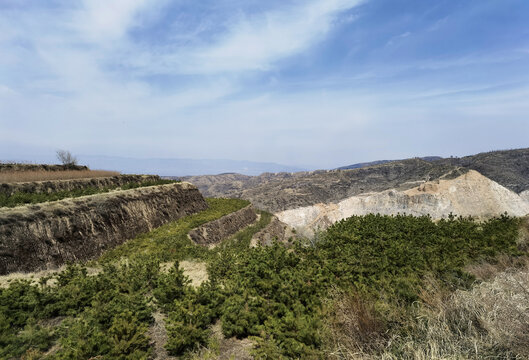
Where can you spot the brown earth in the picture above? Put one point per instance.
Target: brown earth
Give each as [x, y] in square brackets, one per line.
[38, 237]
[8, 167]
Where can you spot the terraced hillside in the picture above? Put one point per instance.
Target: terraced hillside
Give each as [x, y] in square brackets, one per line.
[161, 273]
[45, 224]
[373, 286]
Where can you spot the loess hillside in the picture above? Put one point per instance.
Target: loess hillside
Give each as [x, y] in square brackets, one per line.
[375, 286]
[285, 191]
[149, 269]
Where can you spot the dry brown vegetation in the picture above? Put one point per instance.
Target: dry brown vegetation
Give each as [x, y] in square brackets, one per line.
[42, 175]
[489, 321]
[355, 328]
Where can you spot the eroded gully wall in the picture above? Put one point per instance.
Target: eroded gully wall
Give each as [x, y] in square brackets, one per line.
[48, 235]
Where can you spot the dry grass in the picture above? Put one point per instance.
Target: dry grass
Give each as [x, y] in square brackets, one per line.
[489, 321]
[34, 277]
[30, 176]
[486, 271]
[354, 327]
[195, 271]
[221, 348]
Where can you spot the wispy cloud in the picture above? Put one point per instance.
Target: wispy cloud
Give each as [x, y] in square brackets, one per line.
[106, 21]
[255, 44]
[250, 42]
[142, 78]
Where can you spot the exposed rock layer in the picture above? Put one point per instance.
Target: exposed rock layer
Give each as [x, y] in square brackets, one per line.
[274, 231]
[42, 236]
[52, 186]
[469, 194]
[215, 231]
[525, 195]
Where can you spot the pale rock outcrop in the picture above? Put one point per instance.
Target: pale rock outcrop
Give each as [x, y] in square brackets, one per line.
[469, 194]
[525, 195]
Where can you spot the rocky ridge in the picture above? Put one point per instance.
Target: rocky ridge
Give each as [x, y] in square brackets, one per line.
[286, 191]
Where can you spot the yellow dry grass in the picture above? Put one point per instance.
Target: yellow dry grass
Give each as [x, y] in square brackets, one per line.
[30, 176]
[34, 277]
[488, 321]
[196, 271]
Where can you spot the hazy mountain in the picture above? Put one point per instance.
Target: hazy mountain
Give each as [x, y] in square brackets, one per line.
[181, 167]
[284, 191]
[378, 162]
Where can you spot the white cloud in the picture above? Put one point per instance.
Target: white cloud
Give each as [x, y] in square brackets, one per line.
[6, 91]
[256, 43]
[104, 20]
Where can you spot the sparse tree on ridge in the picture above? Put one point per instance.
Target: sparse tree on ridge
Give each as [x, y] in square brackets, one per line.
[66, 158]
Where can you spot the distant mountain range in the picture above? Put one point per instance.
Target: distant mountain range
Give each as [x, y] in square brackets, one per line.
[181, 167]
[378, 162]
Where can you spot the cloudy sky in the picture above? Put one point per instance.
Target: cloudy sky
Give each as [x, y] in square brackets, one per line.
[314, 83]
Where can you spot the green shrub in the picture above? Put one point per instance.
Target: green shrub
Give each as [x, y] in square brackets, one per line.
[274, 294]
[128, 338]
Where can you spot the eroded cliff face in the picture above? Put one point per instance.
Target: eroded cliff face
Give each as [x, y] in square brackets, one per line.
[76, 184]
[215, 231]
[47, 235]
[274, 231]
[469, 194]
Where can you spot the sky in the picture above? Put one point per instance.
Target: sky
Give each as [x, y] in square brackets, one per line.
[312, 83]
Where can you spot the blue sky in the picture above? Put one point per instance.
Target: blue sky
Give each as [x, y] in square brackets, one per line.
[314, 83]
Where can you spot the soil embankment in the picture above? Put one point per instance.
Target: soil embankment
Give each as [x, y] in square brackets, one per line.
[76, 184]
[47, 235]
[274, 231]
[214, 232]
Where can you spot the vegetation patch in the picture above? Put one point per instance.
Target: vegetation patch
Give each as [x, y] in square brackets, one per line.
[360, 288]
